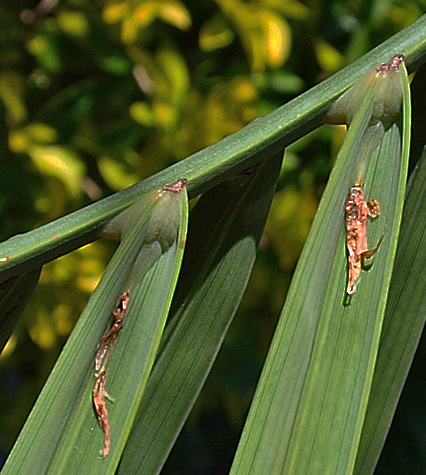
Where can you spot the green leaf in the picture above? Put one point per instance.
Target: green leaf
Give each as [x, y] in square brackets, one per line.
[211, 165]
[14, 295]
[403, 324]
[76, 441]
[226, 225]
[310, 403]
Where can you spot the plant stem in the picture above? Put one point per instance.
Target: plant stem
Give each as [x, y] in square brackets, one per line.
[258, 141]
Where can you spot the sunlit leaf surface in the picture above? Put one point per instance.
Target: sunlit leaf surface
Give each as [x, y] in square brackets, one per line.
[310, 404]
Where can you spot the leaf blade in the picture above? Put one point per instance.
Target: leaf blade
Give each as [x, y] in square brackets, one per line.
[14, 296]
[69, 384]
[319, 368]
[229, 224]
[400, 336]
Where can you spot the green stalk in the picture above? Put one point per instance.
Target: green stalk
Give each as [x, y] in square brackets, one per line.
[257, 141]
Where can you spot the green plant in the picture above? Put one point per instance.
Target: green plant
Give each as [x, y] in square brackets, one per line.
[227, 243]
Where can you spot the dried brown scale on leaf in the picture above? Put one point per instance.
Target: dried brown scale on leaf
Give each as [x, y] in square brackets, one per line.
[394, 64]
[177, 186]
[99, 394]
[357, 209]
[102, 357]
[108, 340]
[387, 80]
[387, 104]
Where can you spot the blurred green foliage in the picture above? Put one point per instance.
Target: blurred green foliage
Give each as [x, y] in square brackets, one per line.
[97, 95]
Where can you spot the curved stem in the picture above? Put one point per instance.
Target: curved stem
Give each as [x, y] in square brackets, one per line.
[258, 141]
